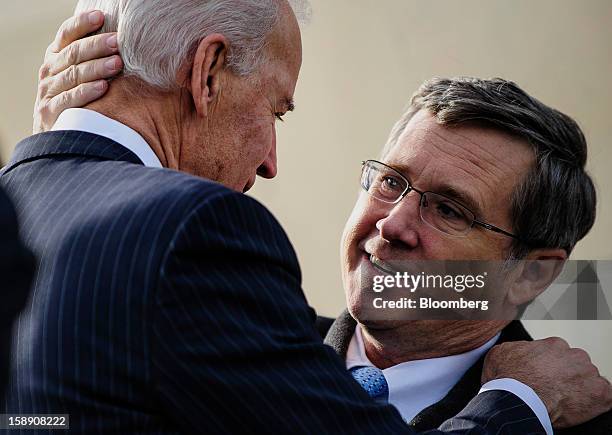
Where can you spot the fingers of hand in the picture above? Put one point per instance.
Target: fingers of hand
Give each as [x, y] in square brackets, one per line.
[608, 394]
[602, 392]
[555, 342]
[83, 50]
[581, 363]
[85, 72]
[77, 97]
[75, 28]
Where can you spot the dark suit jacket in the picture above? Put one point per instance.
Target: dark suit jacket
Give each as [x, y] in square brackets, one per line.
[338, 333]
[16, 269]
[167, 303]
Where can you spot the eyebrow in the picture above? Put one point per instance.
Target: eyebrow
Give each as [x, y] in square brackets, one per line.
[461, 197]
[447, 190]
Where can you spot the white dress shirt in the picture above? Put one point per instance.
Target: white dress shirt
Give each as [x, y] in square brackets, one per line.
[415, 385]
[96, 123]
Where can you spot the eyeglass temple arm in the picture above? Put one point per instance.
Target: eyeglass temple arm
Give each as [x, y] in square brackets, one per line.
[495, 229]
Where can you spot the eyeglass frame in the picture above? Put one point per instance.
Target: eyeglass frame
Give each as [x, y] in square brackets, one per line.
[409, 188]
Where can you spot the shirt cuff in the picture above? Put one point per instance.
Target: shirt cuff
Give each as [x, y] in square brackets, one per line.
[526, 394]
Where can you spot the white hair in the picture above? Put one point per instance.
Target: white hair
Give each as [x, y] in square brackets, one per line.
[157, 36]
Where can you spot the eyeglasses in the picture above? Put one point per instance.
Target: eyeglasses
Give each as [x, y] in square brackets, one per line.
[444, 214]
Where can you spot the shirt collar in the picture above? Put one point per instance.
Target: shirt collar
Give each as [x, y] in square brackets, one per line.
[93, 122]
[415, 385]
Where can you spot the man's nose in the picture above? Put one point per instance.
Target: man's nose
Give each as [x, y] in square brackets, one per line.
[269, 168]
[400, 225]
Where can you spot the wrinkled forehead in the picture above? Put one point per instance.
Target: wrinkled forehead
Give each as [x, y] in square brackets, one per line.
[283, 52]
[475, 148]
[284, 41]
[481, 161]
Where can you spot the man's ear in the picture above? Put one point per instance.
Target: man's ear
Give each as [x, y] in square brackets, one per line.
[208, 65]
[536, 272]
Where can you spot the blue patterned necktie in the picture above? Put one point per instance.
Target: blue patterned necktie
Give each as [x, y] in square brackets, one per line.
[373, 381]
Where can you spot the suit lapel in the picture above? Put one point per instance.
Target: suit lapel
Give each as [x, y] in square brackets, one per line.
[339, 337]
[467, 387]
[340, 333]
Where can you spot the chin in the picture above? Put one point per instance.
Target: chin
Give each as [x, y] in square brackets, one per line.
[359, 305]
[383, 325]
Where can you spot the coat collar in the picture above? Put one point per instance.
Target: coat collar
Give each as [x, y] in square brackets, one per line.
[340, 333]
[69, 143]
[339, 337]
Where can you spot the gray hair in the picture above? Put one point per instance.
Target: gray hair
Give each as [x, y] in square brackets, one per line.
[554, 205]
[156, 37]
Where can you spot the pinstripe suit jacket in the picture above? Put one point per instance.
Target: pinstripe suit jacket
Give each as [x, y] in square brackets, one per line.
[16, 268]
[167, 303]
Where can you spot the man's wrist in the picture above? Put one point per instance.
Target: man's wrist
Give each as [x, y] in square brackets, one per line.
[526, 394]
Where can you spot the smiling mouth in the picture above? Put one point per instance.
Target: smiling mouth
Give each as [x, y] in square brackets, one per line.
[381, 265]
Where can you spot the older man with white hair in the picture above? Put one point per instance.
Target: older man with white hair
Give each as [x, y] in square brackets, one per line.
[165, 302]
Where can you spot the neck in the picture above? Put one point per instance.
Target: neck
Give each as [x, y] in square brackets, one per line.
[425, 339]
[153, 114]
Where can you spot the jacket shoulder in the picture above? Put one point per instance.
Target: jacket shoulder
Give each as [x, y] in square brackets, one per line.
[163, 191]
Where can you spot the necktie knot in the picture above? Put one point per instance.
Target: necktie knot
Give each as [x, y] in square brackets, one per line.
[373, 381]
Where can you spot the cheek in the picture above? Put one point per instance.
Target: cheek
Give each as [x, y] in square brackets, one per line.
[267, 139]
[435, 245]
[361, 224]
[259, 140]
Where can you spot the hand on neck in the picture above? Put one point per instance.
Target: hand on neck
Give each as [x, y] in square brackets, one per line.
[418, 340]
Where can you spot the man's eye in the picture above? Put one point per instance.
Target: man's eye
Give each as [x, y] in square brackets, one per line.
[390, 182]
[449, 212]
[279, 116]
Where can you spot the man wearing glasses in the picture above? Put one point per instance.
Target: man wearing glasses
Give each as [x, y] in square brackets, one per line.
[474, 170]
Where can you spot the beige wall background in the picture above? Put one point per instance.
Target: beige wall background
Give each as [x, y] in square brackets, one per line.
[362, 61]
